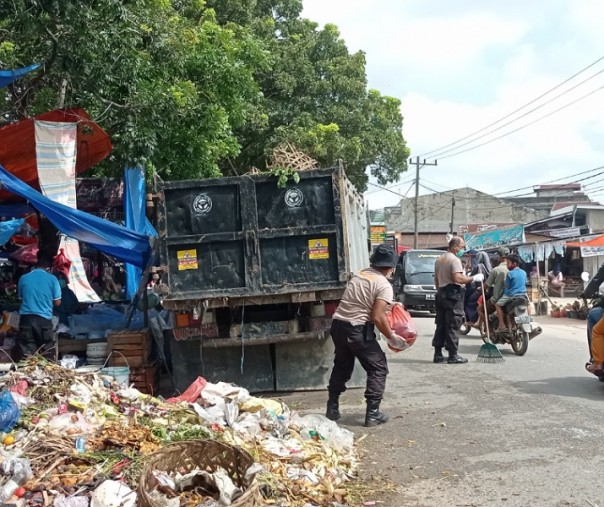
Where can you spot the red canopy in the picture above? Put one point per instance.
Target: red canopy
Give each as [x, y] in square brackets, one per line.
[18, 146]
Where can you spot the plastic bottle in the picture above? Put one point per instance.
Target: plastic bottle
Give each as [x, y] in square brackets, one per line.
[21, 475]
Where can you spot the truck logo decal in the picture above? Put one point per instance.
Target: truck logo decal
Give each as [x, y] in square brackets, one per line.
[202, 204]
[294, 198]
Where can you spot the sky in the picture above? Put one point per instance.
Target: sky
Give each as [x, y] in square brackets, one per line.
[459, 66]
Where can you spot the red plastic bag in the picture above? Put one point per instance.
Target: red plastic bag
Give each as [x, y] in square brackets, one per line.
[61, 263]
[192, 393]
[402, 324]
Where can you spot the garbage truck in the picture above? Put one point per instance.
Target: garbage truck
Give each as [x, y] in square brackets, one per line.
[254, 271]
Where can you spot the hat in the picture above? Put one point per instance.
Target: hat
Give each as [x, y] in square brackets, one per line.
[383, 257]
[503, 251]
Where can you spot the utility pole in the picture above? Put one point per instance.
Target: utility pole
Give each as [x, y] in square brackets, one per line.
[452, 213]
[417, 168]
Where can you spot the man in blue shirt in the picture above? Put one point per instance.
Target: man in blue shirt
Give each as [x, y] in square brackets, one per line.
[40, 293]
[515, 285]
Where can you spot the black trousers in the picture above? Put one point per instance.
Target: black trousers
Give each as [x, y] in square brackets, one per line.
[35, 333]
[357, 342]
[449, 317]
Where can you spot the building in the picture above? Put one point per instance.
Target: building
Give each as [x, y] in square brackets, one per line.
[548, 197]
[459, 211]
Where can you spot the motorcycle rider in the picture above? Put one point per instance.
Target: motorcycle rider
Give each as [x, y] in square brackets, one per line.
[515, 285]
[596, 314]
[496, 279]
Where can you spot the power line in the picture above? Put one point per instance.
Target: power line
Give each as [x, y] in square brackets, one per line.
[489, 132]
[509, 199]
[397, 184]
[552, 181]
[525, 125]
[515, 111]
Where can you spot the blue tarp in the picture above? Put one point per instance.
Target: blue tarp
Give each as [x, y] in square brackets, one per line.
[9, 228]
[10, 76]
[136, 219]
[112, 239]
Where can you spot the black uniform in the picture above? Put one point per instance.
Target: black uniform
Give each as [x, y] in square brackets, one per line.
[449, 317]
[357, 342]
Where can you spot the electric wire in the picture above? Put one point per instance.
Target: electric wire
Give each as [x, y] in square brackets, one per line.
[471, 148]
[513, 112]
[482, 136]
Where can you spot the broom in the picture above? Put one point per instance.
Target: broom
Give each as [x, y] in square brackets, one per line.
[488, 353]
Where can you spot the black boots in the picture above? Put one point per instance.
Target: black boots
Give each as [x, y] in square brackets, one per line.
[333, 407]
[373, 417]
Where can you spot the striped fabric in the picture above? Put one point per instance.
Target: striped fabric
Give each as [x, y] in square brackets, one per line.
[56, 159]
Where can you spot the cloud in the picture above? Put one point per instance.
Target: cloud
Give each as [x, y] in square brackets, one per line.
[458, 67]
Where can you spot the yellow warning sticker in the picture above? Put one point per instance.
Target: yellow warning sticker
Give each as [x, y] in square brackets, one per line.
[187, 259]
[318, 248]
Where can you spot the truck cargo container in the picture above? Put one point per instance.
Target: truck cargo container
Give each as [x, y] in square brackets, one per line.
[255, 272]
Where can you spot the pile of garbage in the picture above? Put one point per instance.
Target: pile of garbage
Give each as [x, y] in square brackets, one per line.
[79, 439]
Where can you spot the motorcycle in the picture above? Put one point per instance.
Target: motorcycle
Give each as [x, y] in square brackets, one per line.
[592, 291]
[520, 328]
[519, 324]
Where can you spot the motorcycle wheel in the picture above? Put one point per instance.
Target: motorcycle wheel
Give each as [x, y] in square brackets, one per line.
[520, 343]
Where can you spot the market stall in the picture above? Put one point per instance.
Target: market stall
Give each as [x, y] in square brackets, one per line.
[88, 334]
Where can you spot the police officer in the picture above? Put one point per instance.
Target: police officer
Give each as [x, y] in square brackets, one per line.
[362, 308]
[450, 280]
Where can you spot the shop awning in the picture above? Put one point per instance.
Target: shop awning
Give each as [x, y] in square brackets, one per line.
[597, 241]
[112, 239]
[495, 238]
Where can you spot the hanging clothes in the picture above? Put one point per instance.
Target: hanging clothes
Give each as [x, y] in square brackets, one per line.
[526, 253]
[56, 158]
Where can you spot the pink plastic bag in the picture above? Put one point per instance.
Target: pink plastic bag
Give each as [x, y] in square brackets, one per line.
[402, 324]
[191, 395]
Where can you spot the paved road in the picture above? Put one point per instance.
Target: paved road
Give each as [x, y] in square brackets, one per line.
[527, 432]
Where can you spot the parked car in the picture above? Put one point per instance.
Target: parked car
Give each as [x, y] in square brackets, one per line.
[414, 279]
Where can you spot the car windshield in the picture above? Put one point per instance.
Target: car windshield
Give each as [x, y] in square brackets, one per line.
[420, 262]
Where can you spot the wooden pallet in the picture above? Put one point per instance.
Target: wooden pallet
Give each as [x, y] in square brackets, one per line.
[130, 348]
[145, 378]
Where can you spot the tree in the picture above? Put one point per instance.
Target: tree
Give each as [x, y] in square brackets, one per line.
[199, 89]
[315, 96]
[163, 78]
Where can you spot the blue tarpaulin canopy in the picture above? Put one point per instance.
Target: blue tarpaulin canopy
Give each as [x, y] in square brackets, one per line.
[136, 219]
[112, 239]
[10, 76]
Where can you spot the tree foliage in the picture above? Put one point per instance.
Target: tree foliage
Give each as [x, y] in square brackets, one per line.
[202, 88]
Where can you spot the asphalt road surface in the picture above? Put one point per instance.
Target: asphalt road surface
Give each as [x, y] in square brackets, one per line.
[526, 432]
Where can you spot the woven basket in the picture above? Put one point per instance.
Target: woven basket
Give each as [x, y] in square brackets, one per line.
[205, 455]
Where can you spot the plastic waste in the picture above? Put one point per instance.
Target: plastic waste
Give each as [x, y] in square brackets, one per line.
[71, 501]
[325, 430]
[401, 323]
[20, 471]
[192, 393]
[113, 494]
[69, 361]
[9, 411]
[397, 343]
